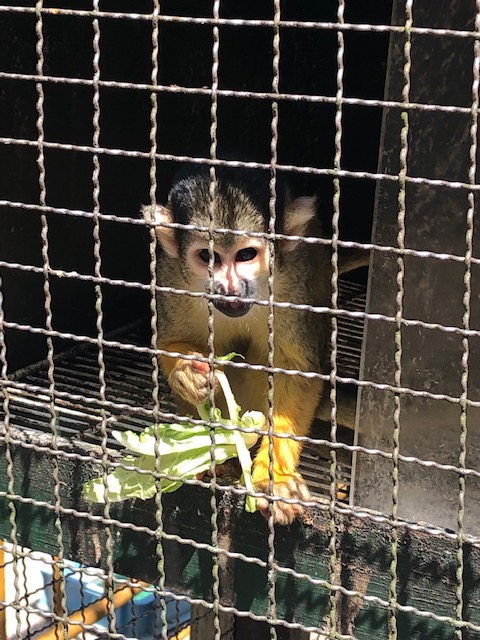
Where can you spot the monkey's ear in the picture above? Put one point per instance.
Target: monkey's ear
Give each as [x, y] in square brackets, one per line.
[298, 215]
[160, 216]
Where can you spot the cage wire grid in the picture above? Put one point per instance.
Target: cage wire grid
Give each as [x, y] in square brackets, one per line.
[106, 403]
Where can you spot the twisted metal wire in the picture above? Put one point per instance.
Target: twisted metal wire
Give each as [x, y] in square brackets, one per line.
[127, 347]
[337, 163]
[98, 280]
[368, 246]
[103, 422]
[400, 279]
[9, 458]
[315, 171]
[407, 391]
[294, 24]
[153, 312]
[271, 575]
[60, 607]
[253, 95]
[467, 298]
[211, 324]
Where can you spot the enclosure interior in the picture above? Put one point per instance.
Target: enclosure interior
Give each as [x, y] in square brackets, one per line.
[306, 135]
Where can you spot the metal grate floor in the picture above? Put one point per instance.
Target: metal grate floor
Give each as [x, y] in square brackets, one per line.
[128, 392]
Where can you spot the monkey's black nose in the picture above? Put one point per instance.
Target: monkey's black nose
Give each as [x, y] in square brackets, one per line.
[234, 308]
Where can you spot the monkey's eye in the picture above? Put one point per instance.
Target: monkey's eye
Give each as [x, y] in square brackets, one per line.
[204, 256]
[247, 254]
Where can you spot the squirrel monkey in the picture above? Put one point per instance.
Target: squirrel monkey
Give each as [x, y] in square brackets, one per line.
[241, 269]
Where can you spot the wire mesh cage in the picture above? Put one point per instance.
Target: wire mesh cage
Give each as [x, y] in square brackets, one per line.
[307, 174]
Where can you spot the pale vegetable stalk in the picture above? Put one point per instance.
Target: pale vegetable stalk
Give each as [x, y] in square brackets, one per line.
[243, 453]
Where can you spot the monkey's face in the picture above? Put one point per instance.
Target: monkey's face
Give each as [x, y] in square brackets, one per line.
[240, 263]
[240, 270]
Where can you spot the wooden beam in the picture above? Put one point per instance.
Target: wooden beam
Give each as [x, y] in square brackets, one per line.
[89, 615]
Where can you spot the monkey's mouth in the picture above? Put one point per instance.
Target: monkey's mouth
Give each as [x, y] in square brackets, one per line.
[234, 308]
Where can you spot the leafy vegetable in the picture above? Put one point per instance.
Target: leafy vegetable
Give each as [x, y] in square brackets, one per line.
[184, 451]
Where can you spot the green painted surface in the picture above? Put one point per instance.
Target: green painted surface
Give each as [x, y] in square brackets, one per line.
[426, 574]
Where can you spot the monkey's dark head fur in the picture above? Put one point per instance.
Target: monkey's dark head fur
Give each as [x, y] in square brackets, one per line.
[241, 196]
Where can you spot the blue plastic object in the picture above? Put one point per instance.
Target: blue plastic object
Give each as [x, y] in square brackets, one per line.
[139, 619]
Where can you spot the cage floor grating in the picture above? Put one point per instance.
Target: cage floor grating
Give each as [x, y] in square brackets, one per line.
[128, 392]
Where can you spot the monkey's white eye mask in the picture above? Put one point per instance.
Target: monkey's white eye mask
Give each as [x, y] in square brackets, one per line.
[237, 271]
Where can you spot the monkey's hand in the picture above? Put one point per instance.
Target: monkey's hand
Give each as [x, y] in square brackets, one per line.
[290, 488]
[190, 380]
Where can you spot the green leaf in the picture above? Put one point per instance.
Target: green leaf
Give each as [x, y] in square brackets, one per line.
[229, 356]
[181, 451]
[123, 484]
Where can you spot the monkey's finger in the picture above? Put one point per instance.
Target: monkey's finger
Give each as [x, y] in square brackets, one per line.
[204, 367]
[283, 512]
